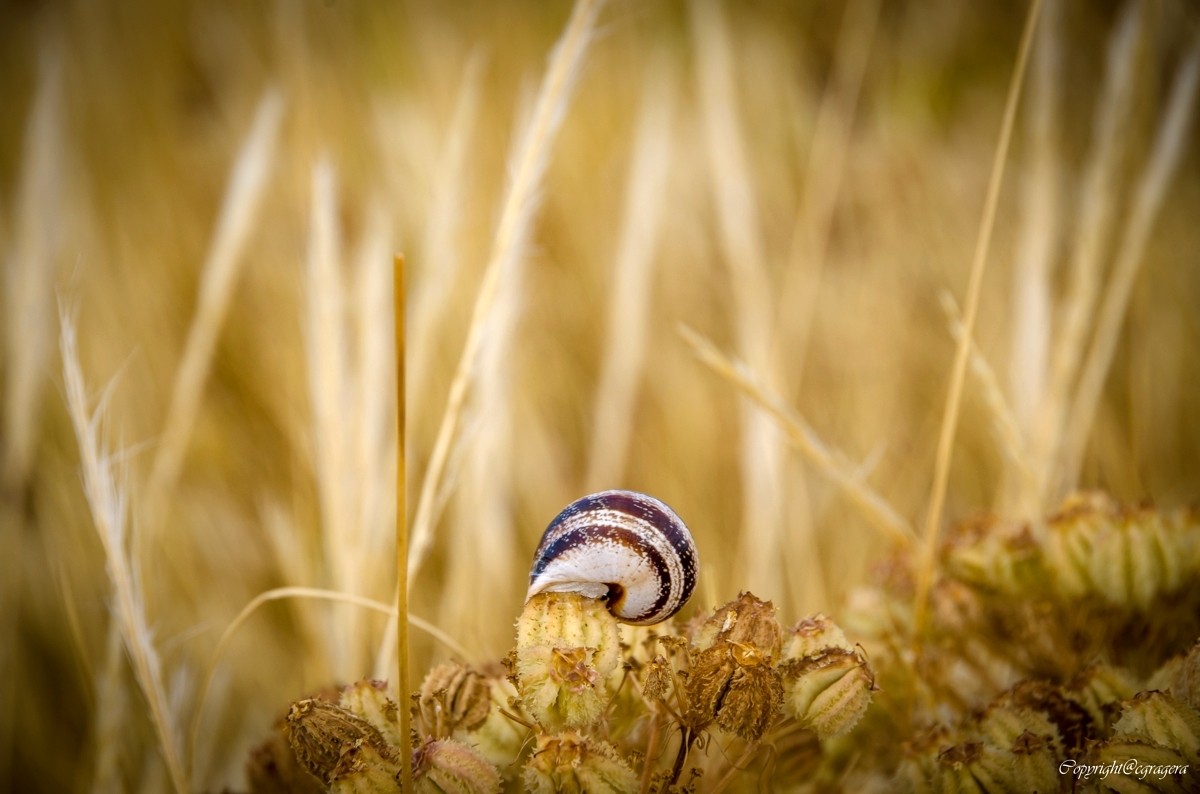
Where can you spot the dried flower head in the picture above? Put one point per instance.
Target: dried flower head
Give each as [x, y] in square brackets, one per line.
[447, 765]
[567, 645]
[574, 764]
[332, 743]
[453, 697]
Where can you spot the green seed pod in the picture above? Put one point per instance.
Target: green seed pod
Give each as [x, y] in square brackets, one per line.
[446, 766]
[1139, 765]
[567, 645]
[1099, 687]
[570, 764]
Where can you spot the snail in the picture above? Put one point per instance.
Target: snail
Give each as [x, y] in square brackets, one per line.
[623, 546]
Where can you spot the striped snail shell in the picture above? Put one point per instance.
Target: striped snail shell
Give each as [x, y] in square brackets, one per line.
[623, 546]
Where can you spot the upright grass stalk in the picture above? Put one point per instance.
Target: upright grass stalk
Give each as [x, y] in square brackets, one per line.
[1169, 147]
[632, 283]
[239, 209]
[945, 448]
[109, 507]
[28, 298]
[528, 164]
[403, 677]
[761, 452]
[1101, 183]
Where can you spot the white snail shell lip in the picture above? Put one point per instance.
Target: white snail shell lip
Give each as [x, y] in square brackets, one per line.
[625, 546]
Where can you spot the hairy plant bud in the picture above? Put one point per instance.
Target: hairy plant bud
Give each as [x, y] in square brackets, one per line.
[452, 698]
[571, 764]
[567, 645]
[449, 766]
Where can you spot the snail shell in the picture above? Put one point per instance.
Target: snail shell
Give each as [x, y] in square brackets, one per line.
[623, 546]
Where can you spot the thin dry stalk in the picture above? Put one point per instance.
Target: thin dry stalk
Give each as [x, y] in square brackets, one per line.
[108, 719]
[761, 454]
[829, 461]
[441, 263]
[823, 176]
[283, 593]
[519, 208]
[1114, 112]
[108, 505]
[29, 271]
[329, 380]
[1169, 147]
[239, 209]
[1007, 430]
[1038, 236]
[403, 657]
[633, 283]
[941, 475]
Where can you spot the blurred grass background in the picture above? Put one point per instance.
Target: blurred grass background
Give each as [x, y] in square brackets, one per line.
[211, 192]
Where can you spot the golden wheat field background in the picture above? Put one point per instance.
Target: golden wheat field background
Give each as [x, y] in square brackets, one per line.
[726, 254]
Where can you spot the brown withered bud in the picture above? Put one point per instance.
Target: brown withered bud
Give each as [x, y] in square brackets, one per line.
[747, 620]
[453, 697]
[656, 678]
[734, 685]
[328, 739]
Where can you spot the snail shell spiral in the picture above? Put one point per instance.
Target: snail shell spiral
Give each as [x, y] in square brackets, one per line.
[623, 546]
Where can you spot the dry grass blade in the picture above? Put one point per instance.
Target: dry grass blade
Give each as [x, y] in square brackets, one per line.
[1008, 431]
[1169, 148]
[941, 474]
[108, 505]
[528, 164]
[281, 593]
[829, 461]
[761, 453]
[29, 273]
[1114, 113]
[219, 277]
[632, 283]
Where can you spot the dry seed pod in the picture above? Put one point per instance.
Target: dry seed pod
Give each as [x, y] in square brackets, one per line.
[446, 765]
[1159, 718]
[453, 697]
[571, 763]
[567, 645]
[497, 738]
[625, 547]
[747, 620]
[370, 700]
[332, 742]
[829, 692]
[735, 685]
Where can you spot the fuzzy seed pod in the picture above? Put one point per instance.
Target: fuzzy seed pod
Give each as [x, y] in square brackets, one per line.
[827, 681]
[451, 767]
[452, 698]
[1099, 688]
[567, 645]
[332, 742]
[1128, 763]
[1159, 718]
[829, 692]
[497, 738]
[735, 685]
[571, 764]
[747, 620]
[372, 701]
